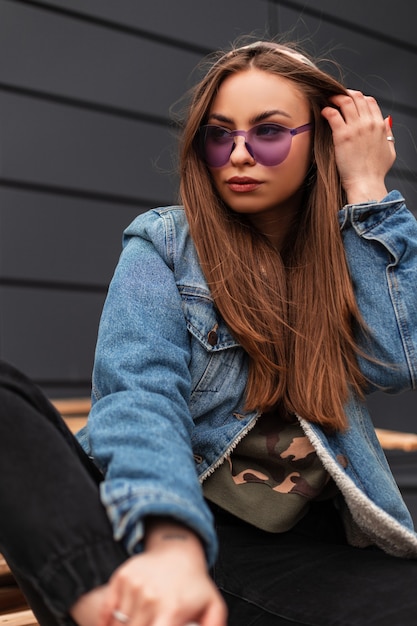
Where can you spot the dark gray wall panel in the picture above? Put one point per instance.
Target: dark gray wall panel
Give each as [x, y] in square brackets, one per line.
[408, 188]
[385, 17]
[49, 334]
[405, 130]
[211, 24]
[374, 65]
[404, 174]
[48, 143]
[394, 411]
[105, 67]
[47, 237]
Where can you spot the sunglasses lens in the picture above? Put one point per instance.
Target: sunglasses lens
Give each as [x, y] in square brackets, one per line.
[216, 144]
[270, 143]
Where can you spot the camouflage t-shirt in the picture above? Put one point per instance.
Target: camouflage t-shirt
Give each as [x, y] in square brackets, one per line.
[271, 476]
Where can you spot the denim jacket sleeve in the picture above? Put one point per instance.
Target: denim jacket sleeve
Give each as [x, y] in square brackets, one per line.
[380, 240]
[140, 424]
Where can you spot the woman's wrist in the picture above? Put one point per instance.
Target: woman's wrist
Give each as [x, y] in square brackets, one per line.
[365, 192]
[163, 533]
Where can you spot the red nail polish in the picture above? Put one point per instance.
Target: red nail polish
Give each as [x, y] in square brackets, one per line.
[390, 121]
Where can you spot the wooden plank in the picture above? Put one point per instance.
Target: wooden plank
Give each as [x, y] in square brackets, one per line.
[74, 411]
[12, 599]
[75, 423]
[72, 407]
[6, 577]
[395, 440]
[4, 568]
[20, 618]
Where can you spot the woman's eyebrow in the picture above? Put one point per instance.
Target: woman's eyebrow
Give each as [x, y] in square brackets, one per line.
[220, 118]
[263, 116]
[254, 120]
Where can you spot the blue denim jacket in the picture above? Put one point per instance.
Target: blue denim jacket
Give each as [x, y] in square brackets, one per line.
[169, 379]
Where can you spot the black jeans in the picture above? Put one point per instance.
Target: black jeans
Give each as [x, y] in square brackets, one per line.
[54, 531]
[310, 576]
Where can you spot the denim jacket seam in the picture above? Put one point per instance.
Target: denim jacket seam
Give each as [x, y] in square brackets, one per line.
[348, 212]
[169, 231]
[366, 230]
[232, 445]
[371, 442]
[402, 325]
[381, 205]
[192, 291]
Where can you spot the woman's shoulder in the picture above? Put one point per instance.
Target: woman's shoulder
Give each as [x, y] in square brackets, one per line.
[156, 217]
[165, 227]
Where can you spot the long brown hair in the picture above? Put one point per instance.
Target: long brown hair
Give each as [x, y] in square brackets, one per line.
[293, 312]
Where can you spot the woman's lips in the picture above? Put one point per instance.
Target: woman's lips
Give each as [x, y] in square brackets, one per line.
[243, 184]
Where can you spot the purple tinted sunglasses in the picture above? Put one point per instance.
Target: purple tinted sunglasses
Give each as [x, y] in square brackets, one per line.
[267, 143]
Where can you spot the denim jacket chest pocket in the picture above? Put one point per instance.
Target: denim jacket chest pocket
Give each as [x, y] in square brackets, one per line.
[217, 368]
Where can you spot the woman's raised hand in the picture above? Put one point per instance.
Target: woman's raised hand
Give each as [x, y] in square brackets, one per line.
[363, 154]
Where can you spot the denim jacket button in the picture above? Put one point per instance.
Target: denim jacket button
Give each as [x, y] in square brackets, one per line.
[239, 416]
[198, 458]
[343, 461]
[212, 337]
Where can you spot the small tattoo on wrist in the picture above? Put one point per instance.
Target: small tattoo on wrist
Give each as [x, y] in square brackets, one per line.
[170, 536]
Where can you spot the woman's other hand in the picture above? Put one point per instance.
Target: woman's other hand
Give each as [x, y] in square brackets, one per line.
[167, 584]
[363, 154]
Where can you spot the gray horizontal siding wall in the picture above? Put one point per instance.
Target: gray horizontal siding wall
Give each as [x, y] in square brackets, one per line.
[87, 142]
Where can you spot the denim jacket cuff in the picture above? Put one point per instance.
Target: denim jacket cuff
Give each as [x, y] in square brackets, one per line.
[392, 196]
[127, 509]
[360, 214]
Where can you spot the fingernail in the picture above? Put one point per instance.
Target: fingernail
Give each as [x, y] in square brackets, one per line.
[390, 121]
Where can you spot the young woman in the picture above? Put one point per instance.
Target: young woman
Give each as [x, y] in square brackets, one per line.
[240, 336]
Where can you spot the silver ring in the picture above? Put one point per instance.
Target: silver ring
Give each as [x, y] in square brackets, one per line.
[120, 616]
[390, 138]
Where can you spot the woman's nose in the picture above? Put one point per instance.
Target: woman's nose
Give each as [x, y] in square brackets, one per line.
[240, 153]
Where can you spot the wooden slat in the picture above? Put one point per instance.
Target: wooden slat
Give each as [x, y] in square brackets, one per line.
[75, 423]
[20, 618]
[72, 406]
[4, 568]
[12, 599]
[7, 582]
[395, 440]
[74, 411]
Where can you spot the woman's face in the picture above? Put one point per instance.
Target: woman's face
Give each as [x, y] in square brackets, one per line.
[268, 195]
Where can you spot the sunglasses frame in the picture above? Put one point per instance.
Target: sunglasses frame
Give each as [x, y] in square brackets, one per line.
[291, 132]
